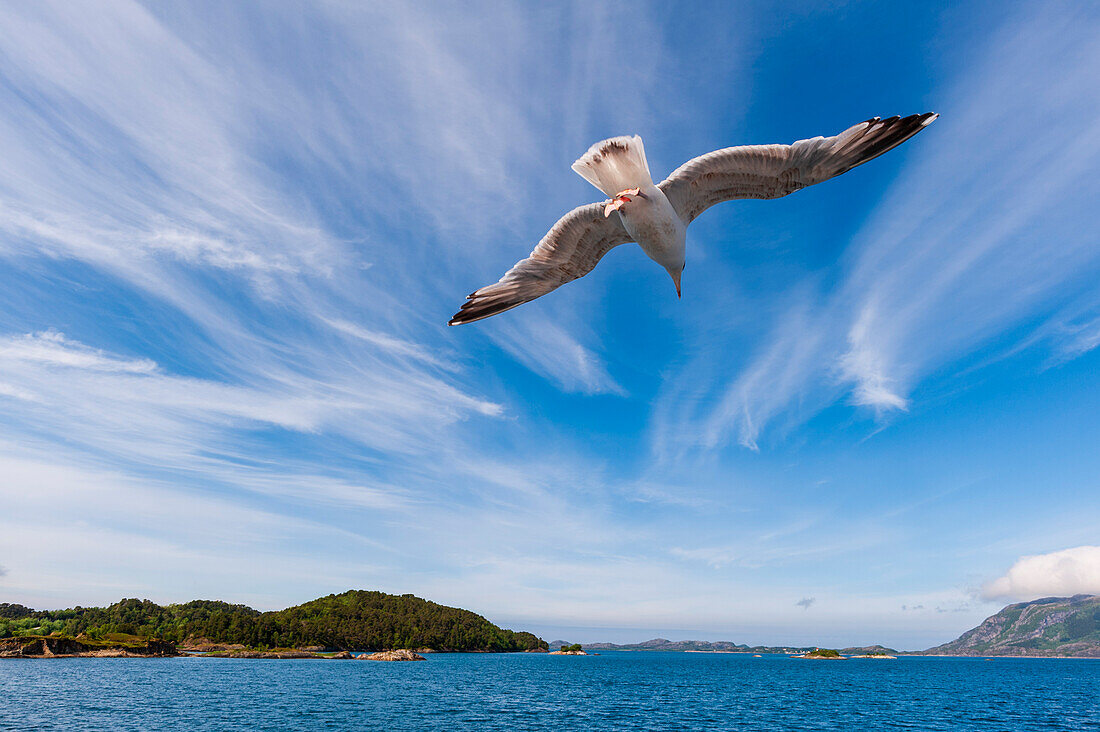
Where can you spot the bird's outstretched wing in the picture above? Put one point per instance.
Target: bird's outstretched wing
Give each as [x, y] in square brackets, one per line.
[568, 251]
[772, 171]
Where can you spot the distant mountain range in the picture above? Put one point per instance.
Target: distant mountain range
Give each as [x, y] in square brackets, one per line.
[663, 644]
[1052, 626]
[866, 650]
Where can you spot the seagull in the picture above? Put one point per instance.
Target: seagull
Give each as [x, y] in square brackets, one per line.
[657, 216]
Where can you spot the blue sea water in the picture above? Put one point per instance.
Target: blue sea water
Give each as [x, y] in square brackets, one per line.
[614, 690]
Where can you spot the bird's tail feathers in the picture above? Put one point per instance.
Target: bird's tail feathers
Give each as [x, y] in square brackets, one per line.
[615, 165]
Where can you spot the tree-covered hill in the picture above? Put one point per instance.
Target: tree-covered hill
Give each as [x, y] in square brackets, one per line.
[353, 620]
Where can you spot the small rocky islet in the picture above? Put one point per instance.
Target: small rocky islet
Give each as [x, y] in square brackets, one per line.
[401, 654]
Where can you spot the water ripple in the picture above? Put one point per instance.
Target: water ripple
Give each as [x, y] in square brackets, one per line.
[613, 691]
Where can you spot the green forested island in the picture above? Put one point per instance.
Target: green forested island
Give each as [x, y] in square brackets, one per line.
[822, 653]
[354, 620]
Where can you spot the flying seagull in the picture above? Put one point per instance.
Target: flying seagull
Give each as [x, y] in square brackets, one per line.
[657, 216]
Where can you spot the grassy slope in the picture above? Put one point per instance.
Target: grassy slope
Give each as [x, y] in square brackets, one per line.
[1050, 626]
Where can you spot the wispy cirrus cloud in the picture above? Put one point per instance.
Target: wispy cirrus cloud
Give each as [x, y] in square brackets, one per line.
[933, 279]
[125, 411]
[53, 349]
[547, 347]
[958, 253]
[229, 269]
[231, 242]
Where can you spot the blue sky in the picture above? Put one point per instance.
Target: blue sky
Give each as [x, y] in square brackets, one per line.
[231, 237]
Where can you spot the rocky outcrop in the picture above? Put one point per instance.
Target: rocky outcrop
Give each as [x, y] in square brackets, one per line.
[262, 654]
[17, 647]
[341, 656]
[568, 653]
[64, 647]
[205, 646]
[402, 654]
[1052, 626]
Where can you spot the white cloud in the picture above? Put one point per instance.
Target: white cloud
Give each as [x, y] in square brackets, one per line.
[144, 149]
[106, 533]
[389, 344]
[51, 348]
[863, 366]
[14, 392]
[1057, 574]
[767, 384]
[544, 345]
[1072, 333]
[788, 540]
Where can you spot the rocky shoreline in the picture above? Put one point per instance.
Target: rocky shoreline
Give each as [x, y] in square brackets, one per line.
[36, 647]
[401, 654]
[52, 647]
[881, 656]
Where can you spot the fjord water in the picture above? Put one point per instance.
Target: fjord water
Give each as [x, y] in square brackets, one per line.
[615, 690]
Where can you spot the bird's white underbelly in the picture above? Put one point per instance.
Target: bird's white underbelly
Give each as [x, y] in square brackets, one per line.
[655, 226]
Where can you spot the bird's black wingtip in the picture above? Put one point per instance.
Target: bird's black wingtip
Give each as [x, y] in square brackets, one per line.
[925, 119]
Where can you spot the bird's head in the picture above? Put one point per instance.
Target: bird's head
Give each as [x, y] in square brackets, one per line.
[675, 272]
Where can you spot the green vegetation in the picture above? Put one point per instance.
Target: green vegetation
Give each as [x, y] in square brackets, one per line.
[574, 647]
[1051, 626]
[354, 620]
[63, 645]
[823, 653]
[112, 640]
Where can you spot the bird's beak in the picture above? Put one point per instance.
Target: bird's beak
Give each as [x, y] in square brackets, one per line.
[676, 281]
